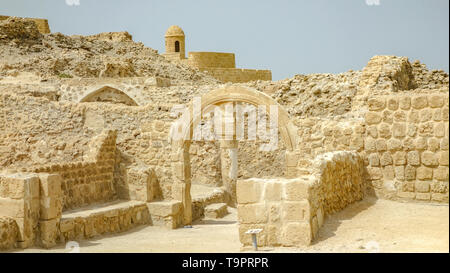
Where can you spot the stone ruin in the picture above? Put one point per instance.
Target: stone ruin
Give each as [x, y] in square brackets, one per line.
[86, 147]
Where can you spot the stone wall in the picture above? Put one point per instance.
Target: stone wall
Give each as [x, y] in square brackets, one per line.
[91, 180]
[211, 60]
[291, 211]
[42, 24]
[407, 146]
[237, 75]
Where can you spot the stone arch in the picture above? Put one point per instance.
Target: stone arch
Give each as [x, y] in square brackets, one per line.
[180, 149]
[109, 94]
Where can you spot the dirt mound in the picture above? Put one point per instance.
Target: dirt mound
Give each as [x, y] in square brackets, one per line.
[24, 49]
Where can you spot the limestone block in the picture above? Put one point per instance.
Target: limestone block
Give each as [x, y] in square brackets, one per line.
[372, 131]
[394, 144]
[411, 130]
[386, 159]
[413, 116]
[424, 173]
[50, 184]
[164, 208]
[433, 144]
[410, 173]
[141, 182]
[443, 158]
[370, 145]
[413, 158]
[419, 102]
[399, 173]
[436, 101]
[444, 144]
[8, 232]
[441, 173]
[429, 159]
[66, 225]
[217, 210]
[296, 210]
[423, 196]
[272, 191]
[297, 190]
[399, 158]
[375, 173]
[249, 191]
[50, 207]
[404, 102]
[406, 195]
[399, 116]
[376, 104]
[252, 213]
[48, 232]
[440, 197]
[422, 186]
[381, 145]
[373, 118]
[19, 186]
[296, 234]
[399, 129]
[384, 131]
[388, 173]
[425, 115]
[392, 103]
[291, 159]
[374, 160]
[439, 129]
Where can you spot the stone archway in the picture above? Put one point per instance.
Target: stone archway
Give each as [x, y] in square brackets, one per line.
[181, 169]
[109, 94]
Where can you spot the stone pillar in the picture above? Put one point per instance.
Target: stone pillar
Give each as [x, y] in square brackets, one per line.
[229, 167]
[181, 187]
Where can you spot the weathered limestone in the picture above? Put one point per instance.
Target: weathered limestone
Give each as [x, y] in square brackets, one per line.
[291, 211]
[166, 213]
[217, 210]
[416, 146]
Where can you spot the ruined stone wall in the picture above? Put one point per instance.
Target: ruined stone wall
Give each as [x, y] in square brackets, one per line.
[407, 146]
[238, 75]
[42, 24]
[291, 211]
[91, 180]
[211, 60]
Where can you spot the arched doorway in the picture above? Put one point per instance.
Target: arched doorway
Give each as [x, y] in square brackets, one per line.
[177, 46]
[181, 169]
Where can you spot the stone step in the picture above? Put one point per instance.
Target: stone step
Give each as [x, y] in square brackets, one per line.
[111, 217]
[217, 210]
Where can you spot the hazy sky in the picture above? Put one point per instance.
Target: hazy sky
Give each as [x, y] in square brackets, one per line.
[288, 37]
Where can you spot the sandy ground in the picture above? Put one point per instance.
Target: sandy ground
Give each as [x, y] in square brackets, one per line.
[367, 226]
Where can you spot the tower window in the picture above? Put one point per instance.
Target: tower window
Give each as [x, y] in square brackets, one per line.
[177, 46]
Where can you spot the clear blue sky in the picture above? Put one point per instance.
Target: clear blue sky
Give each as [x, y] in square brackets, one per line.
[288, 37]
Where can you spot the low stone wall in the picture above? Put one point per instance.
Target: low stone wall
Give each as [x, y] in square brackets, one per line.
[406, 146]
[113, 219]
[89, 181]
[291, 211]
